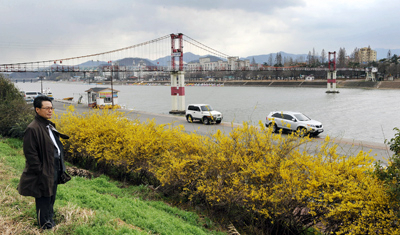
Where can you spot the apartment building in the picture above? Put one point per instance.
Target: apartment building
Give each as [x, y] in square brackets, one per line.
[366, 55]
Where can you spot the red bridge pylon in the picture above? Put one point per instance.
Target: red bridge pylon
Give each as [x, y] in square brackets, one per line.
[331, 76]
[177, 76]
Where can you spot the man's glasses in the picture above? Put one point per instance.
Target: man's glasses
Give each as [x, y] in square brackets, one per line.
[48, 108]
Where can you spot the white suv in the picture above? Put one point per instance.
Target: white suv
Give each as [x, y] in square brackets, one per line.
[204, 113]
[293, 121]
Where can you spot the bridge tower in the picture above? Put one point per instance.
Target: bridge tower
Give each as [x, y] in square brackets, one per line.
[177, 76]
[331, 76]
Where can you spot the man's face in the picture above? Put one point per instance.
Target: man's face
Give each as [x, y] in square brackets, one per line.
[46, 111]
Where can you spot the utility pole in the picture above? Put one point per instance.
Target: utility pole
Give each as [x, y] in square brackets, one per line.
[112, 91]
[41, 84]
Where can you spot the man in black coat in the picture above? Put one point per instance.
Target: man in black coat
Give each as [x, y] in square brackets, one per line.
[44, 163]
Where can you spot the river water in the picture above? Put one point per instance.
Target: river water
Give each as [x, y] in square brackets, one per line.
[359, 114]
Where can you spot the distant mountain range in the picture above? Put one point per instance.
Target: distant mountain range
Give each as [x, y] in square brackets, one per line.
[261, 59]
[189, 57]
[380, 54]
[163, 61]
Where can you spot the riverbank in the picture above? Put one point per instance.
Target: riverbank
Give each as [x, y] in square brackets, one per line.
[380, 151]
[319, 84]
[357, 83]
[93, 205]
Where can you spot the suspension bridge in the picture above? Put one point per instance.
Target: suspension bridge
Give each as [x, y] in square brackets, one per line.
[163, 54]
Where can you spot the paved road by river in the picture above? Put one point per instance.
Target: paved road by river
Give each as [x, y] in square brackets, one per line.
[345, 146]
[360, 114]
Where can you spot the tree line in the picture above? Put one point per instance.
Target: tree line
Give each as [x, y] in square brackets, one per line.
[387, 67]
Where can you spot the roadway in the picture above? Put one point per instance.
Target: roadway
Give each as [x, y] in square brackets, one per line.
[380, 151]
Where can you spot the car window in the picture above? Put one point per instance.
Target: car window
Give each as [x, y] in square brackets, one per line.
[302, 117]
[287, 116]
[31, 93]
[206, 108]
[277, 115]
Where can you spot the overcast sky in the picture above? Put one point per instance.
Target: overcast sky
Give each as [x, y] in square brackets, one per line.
[50, 29]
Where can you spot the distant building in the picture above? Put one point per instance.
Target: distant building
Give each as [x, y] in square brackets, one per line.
[205, 63]
[366, 55]
[102, 97]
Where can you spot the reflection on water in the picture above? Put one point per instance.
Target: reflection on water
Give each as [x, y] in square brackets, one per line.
[360, 114]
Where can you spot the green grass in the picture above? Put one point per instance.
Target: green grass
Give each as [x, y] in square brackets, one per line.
[90, 206]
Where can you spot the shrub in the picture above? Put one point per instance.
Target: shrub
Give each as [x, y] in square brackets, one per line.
[254, 177]
[394, 143]
[262, 182]
[15, 114]
[390, 174]
[106, 138]
[342, 191]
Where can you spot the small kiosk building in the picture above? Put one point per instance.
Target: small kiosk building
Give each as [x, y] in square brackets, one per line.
[101, 97]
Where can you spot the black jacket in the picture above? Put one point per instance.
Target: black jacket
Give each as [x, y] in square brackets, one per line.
[37, 179]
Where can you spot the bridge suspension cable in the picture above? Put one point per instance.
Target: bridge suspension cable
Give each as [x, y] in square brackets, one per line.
[97, 54]
[204, 47]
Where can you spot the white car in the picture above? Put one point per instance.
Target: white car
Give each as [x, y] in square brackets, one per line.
[29, 96]
[293, 121]
[204, 113]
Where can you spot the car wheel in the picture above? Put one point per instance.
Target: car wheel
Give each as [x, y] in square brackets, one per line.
[302, 131]
[189, 118]
[274, 128]
[218, 122]
[206, 121]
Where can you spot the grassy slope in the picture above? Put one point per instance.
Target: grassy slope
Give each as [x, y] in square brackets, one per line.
[83, 206]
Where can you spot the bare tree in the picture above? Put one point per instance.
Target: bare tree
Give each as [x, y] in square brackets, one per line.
[270, 60]
[314, 57]
[278, 59]
[286, 61]
[342, 57]
[309, 58]
[253, 62]
[290, 61]
[323, 56]
[355, 57]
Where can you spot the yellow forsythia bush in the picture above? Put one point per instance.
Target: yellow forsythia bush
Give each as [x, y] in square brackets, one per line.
[342, 191]
[283, 177]
[250, 171]
[108, 136]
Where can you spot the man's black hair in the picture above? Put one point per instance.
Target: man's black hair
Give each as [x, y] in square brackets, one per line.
[37, 102]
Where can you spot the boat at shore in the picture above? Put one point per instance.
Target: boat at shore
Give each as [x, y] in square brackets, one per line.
[47, 92]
